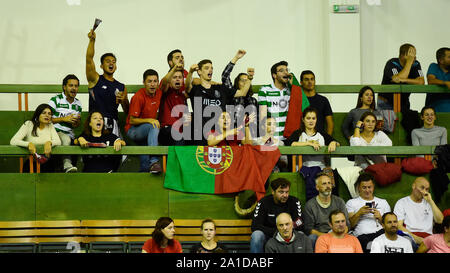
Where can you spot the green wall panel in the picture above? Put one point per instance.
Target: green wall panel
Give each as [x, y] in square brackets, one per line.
[199, 206]
[100, 196]
[17, 197]
[137, 196]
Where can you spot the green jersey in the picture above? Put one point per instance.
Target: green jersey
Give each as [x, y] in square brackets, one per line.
[277, 102]
[61, 108]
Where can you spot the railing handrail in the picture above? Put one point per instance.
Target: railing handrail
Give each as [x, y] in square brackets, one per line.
[133, 88]
[163, 150]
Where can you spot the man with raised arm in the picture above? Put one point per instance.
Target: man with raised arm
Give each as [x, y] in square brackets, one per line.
[208, 96]
[105, 92]
[173, 100]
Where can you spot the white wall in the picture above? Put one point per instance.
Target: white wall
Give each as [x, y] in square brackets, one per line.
[42, 41]
[384, 28]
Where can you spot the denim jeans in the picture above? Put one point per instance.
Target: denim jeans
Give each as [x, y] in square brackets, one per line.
[145, 135]
[257, 242]
[313, 238]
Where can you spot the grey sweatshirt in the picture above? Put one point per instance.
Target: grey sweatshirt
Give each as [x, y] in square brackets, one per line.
[316, 217]
[429, 136]
[299, 243]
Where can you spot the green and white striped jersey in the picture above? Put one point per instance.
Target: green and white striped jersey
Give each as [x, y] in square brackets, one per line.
[61, 108]
[277, 102]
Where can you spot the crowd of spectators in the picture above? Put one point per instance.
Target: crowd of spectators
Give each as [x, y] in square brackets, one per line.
[230, 113]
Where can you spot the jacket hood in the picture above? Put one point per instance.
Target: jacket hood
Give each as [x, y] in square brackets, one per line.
[277, 236]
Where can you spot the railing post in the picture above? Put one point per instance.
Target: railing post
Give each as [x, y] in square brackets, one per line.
[397, 110]
[294, 163]
[30, 158]
[164, 163]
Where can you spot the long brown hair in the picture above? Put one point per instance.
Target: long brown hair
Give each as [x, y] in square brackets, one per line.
[360, 95]
[157, 234]
[35, 117]
[306, 111]
[365, 115]
[87, 129]
[236, 84]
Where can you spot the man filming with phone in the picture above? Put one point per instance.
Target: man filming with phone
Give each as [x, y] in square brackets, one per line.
[365, 212]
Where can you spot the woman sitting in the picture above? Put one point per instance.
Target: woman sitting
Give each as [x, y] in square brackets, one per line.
[429, 134]
[95, 135]
[38, 131]
[225, 136]
[308, 135]
[208, 243]
[365, 134]
[162, 240]
[366, 102]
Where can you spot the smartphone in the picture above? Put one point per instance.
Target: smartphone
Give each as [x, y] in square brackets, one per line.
[361, 128]
[369, 204]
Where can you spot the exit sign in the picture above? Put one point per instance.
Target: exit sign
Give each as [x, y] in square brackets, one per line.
[345, 8]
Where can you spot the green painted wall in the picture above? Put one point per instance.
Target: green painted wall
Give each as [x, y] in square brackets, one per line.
[118, 196]
[132, 195]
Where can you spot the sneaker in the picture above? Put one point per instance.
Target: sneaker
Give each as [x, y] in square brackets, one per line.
[155, 168]
[71, 169]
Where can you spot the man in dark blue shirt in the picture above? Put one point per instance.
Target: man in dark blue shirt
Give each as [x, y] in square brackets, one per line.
[439, 73]
[105, 92]
[402, 70]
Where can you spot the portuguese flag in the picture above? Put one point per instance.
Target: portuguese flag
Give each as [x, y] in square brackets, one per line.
[220, 169]
[297, 103]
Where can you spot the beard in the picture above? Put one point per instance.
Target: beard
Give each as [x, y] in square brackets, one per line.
[391, 232]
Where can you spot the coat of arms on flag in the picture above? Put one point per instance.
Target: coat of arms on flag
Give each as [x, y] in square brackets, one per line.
[214, 160]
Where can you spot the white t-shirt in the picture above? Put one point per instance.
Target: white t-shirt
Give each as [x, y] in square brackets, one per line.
[313, 160]
[418, 217]
[379, 139]
[367, 223]
[381, 244]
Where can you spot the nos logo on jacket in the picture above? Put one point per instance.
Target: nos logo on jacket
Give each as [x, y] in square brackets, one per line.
[214, 160]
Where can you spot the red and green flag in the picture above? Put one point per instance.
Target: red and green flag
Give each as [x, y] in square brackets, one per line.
[220, 169]
[297, 103]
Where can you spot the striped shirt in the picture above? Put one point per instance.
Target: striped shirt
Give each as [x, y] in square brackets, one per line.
[61, 108]
[277, 102]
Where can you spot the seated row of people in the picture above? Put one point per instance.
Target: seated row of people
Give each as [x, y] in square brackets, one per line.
[282, 221]
[40, 130]
[364, 217]
[163, 240]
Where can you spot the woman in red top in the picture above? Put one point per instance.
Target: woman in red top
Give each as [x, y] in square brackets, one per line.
[226, 136]
[162, 240]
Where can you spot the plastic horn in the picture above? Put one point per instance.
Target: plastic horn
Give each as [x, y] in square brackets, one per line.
[97, 23]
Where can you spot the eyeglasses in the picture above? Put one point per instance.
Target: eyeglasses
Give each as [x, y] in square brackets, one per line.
[283, 70]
